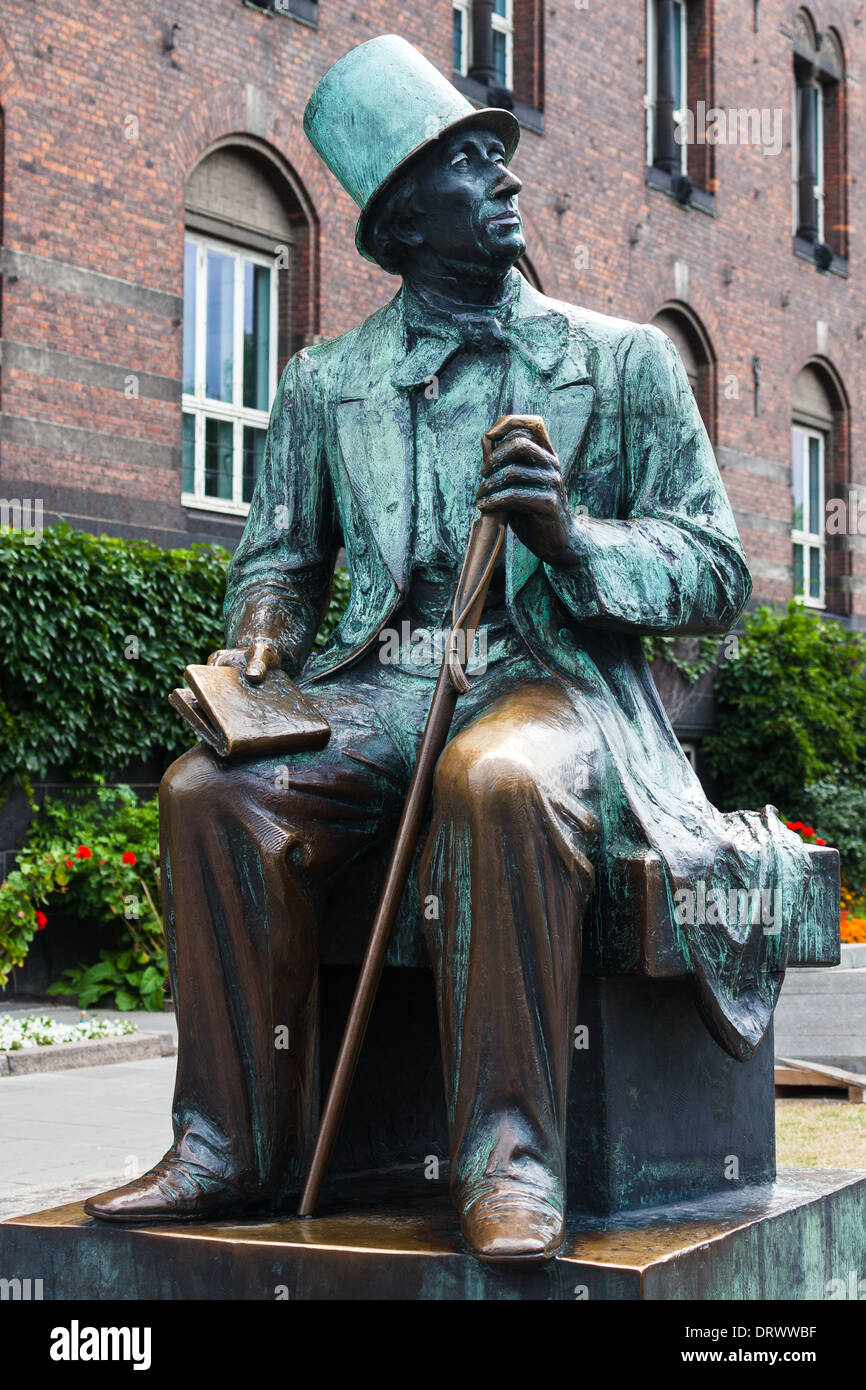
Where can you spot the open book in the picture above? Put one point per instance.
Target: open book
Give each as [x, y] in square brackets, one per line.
[238, 719]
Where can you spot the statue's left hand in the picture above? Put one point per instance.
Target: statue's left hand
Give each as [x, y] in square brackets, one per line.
[522, 481]
[255, 661]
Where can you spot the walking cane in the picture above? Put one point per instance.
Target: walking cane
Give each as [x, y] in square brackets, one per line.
[485, 542]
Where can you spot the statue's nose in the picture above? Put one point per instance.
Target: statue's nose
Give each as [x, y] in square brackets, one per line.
[507, 185]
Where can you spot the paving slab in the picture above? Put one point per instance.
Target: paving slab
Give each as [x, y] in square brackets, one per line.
[65, 1134]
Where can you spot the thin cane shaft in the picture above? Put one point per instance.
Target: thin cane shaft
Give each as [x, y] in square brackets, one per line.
[484, 543]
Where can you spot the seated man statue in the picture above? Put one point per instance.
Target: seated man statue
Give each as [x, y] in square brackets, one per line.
[559, 753]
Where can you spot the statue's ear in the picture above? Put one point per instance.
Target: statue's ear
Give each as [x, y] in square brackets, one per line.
[404, 228]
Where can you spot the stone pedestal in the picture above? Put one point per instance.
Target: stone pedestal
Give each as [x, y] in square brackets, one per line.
[657, 1112]
[800, 1238]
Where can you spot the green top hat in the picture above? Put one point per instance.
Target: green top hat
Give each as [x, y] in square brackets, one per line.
[378, 107]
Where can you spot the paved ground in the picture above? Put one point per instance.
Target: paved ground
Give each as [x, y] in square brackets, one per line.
[66, 1134]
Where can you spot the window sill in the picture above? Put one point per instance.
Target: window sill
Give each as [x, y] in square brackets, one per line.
[808, 251]
[213, 504]
[528, 116]
[698, 200]
[307, 17]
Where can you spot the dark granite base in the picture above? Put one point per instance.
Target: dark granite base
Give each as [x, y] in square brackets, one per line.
[787, 1240]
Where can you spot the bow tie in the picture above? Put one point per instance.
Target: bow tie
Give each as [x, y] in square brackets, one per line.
[540, 340]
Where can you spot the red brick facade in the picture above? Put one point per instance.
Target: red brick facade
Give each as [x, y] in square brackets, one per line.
[102, 126]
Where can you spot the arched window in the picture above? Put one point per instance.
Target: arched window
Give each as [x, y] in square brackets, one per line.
[819, 477]
[691, 342]
[498, 54]
[818, 145]
[679, 80]
[245, 249]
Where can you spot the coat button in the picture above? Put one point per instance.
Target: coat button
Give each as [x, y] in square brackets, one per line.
[364, 583]
[361, 547]
[566, 637]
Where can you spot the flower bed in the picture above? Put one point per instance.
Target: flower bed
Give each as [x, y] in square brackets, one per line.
[852, 922]
[38, 1030]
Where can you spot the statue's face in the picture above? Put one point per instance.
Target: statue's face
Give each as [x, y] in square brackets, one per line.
[465, 208]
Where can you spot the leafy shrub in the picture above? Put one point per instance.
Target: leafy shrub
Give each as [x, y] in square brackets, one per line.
[134, 978]
[838, 806]
[791, 709]
[96, 631]
[95, 854]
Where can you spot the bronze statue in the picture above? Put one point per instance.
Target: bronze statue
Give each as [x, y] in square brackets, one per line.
[560, 751]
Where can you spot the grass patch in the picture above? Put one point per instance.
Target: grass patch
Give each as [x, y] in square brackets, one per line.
[820, 1132]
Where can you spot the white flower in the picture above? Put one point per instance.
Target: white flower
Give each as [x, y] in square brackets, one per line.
[38, 1030]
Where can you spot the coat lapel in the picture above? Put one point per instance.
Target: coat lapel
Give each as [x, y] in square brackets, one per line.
[375, 419]
[375, 431]
[564, 400]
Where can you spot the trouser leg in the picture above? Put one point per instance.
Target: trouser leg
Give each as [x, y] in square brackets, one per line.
[247, 861]
[507, 859]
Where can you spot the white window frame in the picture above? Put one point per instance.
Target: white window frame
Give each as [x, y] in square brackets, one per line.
[501, 24]
[651, 94]
[795, 158]
[197, 403]
[819, 186]
[811, 540]
[465, 8]
[504, 24]
[690, 748]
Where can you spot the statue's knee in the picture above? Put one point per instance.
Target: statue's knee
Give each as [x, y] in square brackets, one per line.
[478, 772]
[189, 781]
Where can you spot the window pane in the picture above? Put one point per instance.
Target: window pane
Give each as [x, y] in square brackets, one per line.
[798, 571]
[814, 572]
[190, 261]
[220, 325]
[458, 41]
[500, 7]
[218, 452]
[814, 485]
[254, 449]
[678, 75]
[499, 54]
[797, 477]
[188, 472]
[813, 97]
[257, 335]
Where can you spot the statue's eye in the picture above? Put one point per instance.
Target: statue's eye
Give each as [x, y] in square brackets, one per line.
[459, 161]
[497, 156]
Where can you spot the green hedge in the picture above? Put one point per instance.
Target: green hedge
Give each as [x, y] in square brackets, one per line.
[791, 710]
[96, 631]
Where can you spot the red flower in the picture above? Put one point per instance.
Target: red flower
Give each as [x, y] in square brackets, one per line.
[127, 857]
[820, 842]
[795, 825]
[807, 830]
[69, 864]
[83, 852]
[41, 921]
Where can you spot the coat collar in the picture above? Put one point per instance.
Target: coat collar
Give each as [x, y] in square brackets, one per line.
[374, 415]
[540, 332]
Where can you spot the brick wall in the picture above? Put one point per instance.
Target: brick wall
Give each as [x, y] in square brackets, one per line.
[102, 127]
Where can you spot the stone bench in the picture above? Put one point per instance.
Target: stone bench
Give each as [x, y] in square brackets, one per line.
[657, 1111]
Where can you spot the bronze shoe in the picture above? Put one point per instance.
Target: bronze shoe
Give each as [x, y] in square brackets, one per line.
[170, 1191]
[512, 1224]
